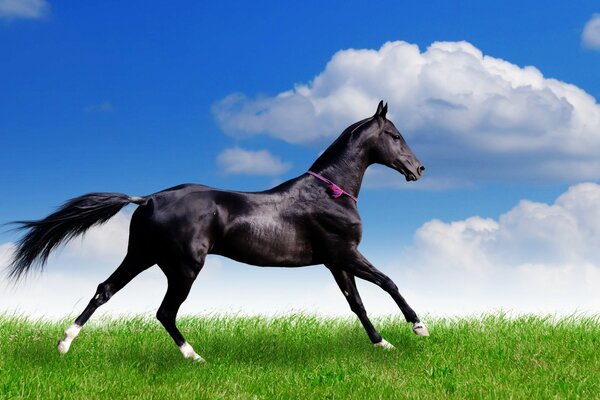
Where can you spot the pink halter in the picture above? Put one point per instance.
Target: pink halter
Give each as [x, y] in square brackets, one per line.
[335, 190]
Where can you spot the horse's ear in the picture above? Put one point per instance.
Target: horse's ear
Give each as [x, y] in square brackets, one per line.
[381, 110]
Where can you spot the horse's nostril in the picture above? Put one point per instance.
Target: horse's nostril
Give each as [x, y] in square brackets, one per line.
[421, 169]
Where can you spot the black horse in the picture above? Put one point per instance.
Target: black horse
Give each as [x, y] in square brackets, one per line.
[305, 221]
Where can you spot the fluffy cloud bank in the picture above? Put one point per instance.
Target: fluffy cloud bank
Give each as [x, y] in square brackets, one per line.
[464, 113]
[248, 162]
[591, 33]
[26, 9]
[558, 234]
[536, 257]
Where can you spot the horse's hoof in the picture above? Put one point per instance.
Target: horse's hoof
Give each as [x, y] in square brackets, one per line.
[63, 347]
[188, 352]
[420, 329]
[384, 344]
[70, 334]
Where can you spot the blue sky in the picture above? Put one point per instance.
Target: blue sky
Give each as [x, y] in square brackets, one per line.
[135, 97]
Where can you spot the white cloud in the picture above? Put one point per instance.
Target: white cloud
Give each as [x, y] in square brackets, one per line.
[590, 37]
[536, 257]
[468, 116]
[25, 9]
[248, 162]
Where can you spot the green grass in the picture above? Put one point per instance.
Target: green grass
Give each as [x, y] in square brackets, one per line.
[303, 357]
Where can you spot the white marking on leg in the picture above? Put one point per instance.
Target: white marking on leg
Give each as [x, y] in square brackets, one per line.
[420, 329]
[384, 344]
[70, 334]
[188, 352]
[346, 293]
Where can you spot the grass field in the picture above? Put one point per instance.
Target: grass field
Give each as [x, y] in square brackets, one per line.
[303, 357]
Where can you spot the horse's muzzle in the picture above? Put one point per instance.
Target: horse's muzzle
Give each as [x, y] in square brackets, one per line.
[414, 175]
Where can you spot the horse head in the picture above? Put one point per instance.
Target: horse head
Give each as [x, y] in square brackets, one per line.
[388, 147]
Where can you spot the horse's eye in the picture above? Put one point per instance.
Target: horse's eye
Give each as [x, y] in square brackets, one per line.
[395, 136]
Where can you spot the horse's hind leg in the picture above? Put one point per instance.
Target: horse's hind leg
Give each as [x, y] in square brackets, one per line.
[129, 269]
[180, 279]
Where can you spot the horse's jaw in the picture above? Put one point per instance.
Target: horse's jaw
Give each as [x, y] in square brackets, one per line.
[408, 173]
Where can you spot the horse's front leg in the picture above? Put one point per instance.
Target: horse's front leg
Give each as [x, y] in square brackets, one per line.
[358, 265]
[347, 285]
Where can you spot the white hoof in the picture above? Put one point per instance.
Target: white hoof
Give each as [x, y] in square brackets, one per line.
[70, 334]
[384, 344]
[420, 329]
[188, 352]
[63, 346]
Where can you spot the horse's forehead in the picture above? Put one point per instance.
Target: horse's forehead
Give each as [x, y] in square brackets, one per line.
[389, 124]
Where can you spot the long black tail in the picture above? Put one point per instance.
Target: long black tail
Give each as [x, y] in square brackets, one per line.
[72, 219]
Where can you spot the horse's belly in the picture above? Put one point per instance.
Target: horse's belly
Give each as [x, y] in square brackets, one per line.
[266, 243]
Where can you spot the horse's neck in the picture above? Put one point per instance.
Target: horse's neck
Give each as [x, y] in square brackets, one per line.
[344, 166]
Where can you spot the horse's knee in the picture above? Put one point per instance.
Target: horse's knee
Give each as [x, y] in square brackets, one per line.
[103, 293]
